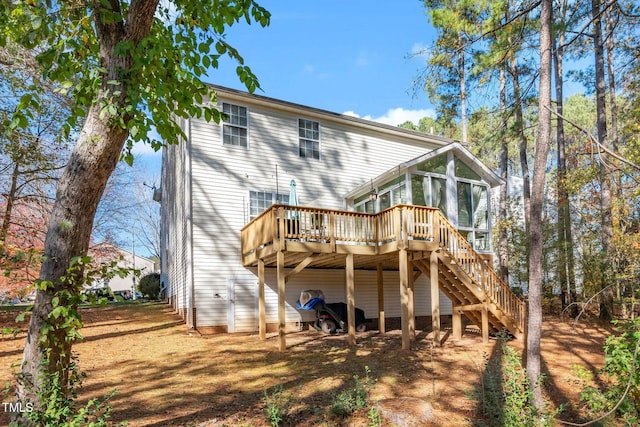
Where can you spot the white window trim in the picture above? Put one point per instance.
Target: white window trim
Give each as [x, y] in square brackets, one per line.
[299, 138]
[223, 122]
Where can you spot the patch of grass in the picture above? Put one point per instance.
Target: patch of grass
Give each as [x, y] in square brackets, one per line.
[11, 307]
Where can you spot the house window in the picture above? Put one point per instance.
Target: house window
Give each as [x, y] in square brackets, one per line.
[309, 139]
[392, 193]
[429, 191]
[365, 204]
[235, 127]
[261, 200]
[473, 214]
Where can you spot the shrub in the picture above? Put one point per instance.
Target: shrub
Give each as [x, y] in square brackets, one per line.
[276, 405]
[348, 401]
[621, 398]
[149, 285]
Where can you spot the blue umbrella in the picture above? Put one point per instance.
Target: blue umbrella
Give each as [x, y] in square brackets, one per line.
[293, 201]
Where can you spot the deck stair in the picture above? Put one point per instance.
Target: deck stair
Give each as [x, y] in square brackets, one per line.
[473, 286]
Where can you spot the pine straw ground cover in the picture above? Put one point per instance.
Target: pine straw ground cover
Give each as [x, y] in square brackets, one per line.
[166, 375]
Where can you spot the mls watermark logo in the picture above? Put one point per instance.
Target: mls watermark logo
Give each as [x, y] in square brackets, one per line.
[17, 407]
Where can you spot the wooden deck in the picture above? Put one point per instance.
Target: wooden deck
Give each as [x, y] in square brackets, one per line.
[412, 240]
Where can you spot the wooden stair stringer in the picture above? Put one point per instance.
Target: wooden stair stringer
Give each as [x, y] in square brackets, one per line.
[498, 318]
[458, 296]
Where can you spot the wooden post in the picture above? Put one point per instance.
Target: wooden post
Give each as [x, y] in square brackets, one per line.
[351, 300]
[279, 245]
[404, 299]
[485, 325]
[262, 315]
[411, 313]
[456, 323]
[281, 313]
[332, 231]
[435, 298]
[380, 276]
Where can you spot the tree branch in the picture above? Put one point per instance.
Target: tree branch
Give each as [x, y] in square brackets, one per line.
[594, 140]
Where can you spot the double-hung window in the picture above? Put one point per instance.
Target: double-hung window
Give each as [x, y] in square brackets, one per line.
[309, 139]
[235, 126]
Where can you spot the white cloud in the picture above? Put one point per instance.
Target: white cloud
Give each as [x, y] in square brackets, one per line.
[396, 116]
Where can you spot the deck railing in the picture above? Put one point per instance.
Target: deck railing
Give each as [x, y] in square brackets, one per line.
[399, 223]
[358, 228]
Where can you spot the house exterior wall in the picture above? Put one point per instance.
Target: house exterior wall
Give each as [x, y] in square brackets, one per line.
[201, 236]
[176, 225]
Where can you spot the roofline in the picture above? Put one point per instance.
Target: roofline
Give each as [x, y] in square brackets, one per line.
[490, 177]
[120, 249]
[287, 106]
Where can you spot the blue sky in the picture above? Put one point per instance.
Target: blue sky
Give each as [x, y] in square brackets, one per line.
[348, 56]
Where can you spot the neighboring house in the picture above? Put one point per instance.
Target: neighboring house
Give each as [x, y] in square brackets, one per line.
[231, 181]
[106, 253]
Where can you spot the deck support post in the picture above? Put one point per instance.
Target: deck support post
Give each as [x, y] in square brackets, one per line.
[435, 298]
[411, 313]
[380, 279]
[351, 299]
[404, 298]
[282, 339]
[485, 324]
[456, 323]
[262, 315]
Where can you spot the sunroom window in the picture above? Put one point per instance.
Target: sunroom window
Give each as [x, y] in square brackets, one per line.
[429, 191]
[392, 193]
[473, 214]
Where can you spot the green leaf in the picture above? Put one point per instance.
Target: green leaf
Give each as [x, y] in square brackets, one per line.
[128, 158]
[221, 47]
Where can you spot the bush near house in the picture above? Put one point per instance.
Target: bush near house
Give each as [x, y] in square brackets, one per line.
[150, 285]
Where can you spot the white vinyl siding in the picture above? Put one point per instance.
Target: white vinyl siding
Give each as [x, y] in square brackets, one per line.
[175, 260]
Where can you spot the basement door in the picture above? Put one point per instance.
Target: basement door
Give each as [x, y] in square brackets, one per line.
[242, 308]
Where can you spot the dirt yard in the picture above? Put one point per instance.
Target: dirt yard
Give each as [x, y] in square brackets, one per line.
[166, 375]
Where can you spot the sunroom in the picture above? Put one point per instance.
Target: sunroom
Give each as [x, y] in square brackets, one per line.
[450, 179]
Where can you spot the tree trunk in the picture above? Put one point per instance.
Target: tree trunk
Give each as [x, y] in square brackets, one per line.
[566, 264]
[503, 241]
[80, 188]
[79, 191]
[10, 199]
[617, 209]
[537, 200]
[463, 90]
[519, 126]
[606, 299]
